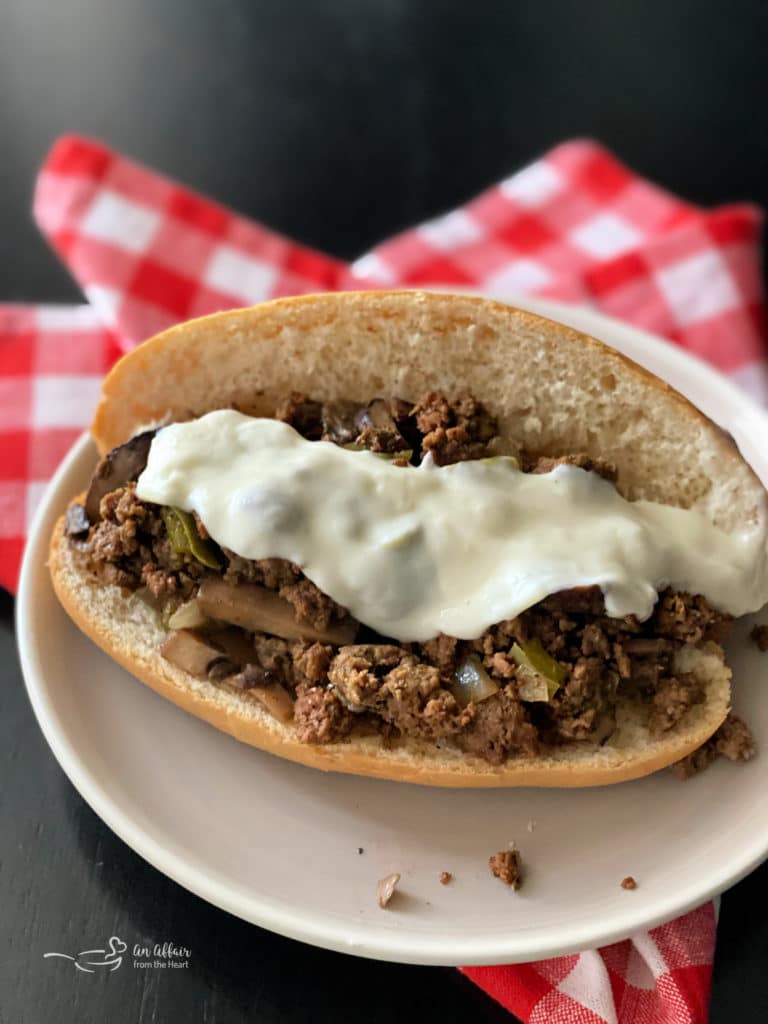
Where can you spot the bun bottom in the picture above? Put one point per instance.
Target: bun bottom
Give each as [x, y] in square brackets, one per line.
[131, 633]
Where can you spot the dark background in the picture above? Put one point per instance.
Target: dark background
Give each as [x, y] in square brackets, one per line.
[337, 122]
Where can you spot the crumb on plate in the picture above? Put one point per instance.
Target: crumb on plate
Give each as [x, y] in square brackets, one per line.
[506, 865]
[732, 740]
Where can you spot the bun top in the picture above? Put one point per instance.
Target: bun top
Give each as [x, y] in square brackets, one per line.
[553, 389]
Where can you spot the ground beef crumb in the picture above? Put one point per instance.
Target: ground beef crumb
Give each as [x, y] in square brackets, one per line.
[116, 535]
[272, 573]
[114, 575]
[311, 661]
[594, 641]
[602, 467]
[441, 652]
[433, 411]
[502, 665]
[500, 727]
[129, 547]
[357, 671]
[759, 636]
[581, 702]
[732, 740]
[673, 697]
[507, 866]
[375, 440]
[273, 656]
[453, 430]
[311, 605]
[628, 883]
[404, 692]
[416, 704]
[319, 715]
[576, 601]
[695, 762]
[683, 616]
[445, 877]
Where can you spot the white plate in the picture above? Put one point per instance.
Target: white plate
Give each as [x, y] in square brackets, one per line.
[276, 844]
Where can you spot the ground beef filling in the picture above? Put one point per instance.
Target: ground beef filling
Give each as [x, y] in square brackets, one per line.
[372, 684]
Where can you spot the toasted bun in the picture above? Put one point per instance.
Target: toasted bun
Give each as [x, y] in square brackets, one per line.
[553, 389]
[131, 633]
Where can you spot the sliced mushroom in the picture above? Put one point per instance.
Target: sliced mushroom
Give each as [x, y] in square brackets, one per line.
[236, 643]
[191, 652]
[276, 699]
[116, 469]
[646, 645]
[206, 658]
[221, 669]
[261, 610]
[266, 687]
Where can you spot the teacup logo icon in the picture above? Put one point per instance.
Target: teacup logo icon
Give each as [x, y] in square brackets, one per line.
[92, 961]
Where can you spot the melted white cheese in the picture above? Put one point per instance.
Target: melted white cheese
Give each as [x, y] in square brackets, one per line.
[413, 552]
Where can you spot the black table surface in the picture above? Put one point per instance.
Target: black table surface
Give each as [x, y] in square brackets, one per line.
[337, 122]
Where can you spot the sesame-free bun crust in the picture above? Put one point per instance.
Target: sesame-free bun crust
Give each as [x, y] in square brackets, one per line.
[553, 390]
[131, 633]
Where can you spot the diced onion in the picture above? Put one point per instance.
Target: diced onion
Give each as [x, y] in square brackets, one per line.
[471, 682]
[187, 616]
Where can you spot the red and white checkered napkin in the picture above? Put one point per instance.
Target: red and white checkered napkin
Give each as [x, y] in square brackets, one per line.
[575, 225]
[663, 976]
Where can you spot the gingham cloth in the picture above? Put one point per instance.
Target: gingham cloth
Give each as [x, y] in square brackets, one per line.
[575, 225]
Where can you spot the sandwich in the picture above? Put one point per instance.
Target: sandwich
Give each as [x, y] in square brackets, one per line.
[419, 537]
